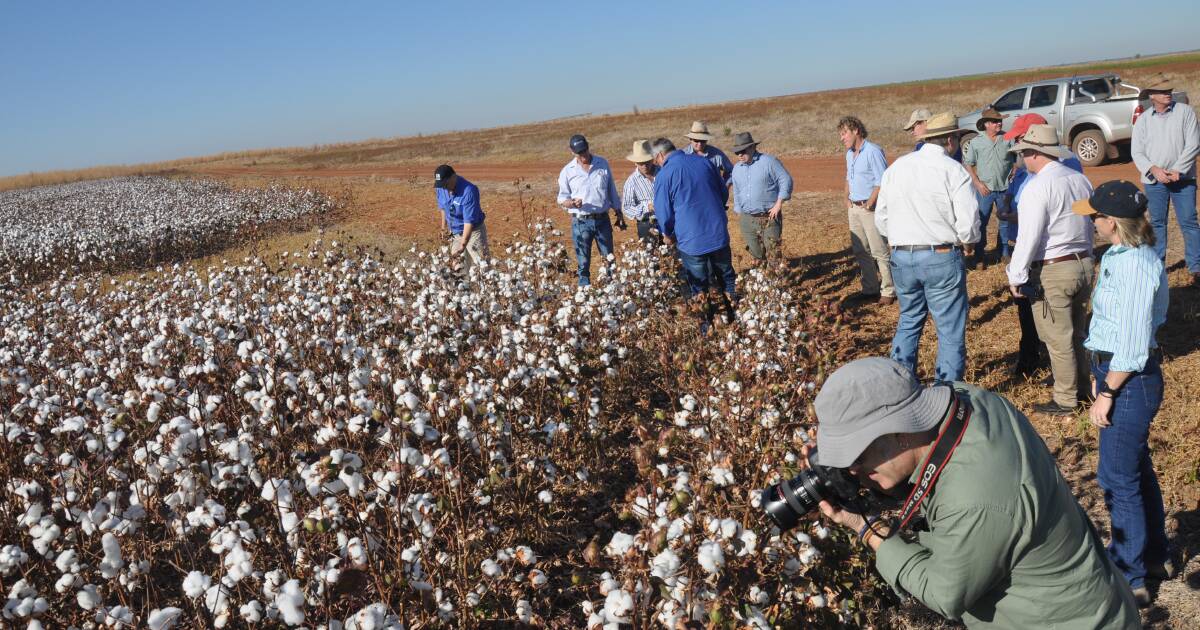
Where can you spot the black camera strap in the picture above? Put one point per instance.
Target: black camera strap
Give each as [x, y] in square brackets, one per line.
[951, 434]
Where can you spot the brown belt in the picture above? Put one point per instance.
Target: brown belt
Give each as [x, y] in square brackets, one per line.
[860, 204]
[1063, 258]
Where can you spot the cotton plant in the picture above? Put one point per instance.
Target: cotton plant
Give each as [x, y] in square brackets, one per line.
[325, 438]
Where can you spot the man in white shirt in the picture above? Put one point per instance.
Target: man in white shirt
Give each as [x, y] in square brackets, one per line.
[928, 212]
[1052, 263]
[586, 190]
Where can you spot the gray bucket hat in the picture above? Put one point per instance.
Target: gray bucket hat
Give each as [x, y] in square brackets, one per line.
[870, 397]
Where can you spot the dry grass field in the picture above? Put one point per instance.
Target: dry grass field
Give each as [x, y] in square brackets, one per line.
[393, 209]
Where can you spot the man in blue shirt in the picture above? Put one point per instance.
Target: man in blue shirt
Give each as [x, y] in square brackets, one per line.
[689, 202]
[699, 145]
[865, 164]
[462, 215]
[587, 190]
[760, 186]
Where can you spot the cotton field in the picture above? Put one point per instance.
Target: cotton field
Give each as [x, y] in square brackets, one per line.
[325, 439]
[132, 221]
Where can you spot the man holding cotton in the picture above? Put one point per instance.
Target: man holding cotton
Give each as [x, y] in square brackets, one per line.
[990, 533]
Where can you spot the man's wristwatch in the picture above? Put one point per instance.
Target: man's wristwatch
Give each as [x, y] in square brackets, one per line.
[1103, 388]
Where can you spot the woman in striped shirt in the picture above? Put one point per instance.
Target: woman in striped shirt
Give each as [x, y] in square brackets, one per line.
[1128, 305]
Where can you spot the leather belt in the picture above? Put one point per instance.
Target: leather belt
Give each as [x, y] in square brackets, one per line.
[861, 204]
[1063, 258]
[941, 249]
[1099, 357]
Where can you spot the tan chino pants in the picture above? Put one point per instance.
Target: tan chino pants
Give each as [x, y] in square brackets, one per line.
[1061, 319]
[871, 250]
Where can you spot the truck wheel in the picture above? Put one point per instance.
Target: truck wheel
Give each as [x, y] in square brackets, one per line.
[964, 140]
[1090, 147]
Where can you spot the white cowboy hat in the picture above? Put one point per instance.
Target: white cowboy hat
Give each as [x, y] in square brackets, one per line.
[699, 131]
[641, 152]
[1043, 139]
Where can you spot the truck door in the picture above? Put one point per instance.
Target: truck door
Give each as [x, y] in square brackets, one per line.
[1043, 99]
[1013, 101]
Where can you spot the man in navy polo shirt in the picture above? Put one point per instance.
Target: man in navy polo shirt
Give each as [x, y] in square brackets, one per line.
[462, 215]
[689, 203]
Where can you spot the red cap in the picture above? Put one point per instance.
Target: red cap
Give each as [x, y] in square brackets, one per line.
[1022, 124]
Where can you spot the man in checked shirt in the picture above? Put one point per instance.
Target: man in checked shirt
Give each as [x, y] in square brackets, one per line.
[637, 199]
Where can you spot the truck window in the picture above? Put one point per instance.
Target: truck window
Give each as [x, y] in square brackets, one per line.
[1013, 100]
[1043, 95]
[1100, 88]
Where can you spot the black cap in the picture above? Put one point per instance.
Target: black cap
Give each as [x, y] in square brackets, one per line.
[578, 144]
[1117, 198]
[441, 176]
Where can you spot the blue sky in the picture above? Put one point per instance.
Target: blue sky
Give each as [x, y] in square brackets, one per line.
[92, 83]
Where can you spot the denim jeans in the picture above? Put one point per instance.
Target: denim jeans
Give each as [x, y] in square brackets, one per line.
[1182, 195]
[1126, 474]
[928, 282]
[711, 270]
[999, 200]
[584, 230]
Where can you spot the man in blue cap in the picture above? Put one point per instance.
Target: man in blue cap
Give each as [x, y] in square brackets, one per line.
[586, 190]
[462, 215]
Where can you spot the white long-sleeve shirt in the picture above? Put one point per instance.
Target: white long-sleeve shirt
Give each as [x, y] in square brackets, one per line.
[926, 198]
[1048, 229]
[594, 186]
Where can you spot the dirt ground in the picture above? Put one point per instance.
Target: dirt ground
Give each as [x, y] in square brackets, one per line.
[393, 208]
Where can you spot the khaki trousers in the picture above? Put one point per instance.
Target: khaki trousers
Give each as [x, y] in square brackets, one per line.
[1061, 319]
[477, 247]
[871, 250]
[761, 233]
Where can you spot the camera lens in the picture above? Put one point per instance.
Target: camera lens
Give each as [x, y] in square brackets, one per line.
[787, 501]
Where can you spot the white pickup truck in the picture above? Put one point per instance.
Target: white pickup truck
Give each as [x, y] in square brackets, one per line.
[1093, 113]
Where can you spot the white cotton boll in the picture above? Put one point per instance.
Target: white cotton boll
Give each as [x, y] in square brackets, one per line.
[721, 476]
[665, 565]
[617, 606]
[163, 618]
[821, 531]
[620, 543]
[545, 496]
[758, 596]
[809, 554]
[251, 611]
[87, 597]
[525, 555]
[817, 601]
[524, 611]
[290, 602]
[195, 584]
[490, 568]
[711, 557]
[537, 578]
[112, 563]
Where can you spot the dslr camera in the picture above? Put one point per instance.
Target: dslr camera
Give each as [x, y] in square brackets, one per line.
[787, 501]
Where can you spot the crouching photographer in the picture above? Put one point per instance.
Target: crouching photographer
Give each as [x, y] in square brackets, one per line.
[988, 532]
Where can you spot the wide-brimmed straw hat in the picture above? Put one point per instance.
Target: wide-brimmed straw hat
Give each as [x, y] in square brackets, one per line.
[1043, 139]
[943, 124]
[989, 114]
[743, 141]
[869, 398]
[699, 131]
[641, 152]
[918, 115]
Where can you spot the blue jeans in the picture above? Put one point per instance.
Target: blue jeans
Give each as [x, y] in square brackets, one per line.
[1182, 195]
[1126, 474]
[931, 282]
[998, 199]
[714, 269]
[584, 230]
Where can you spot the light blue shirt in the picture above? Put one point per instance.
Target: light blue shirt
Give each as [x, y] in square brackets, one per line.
[864, 170]
[594, 186]
[759, 183]
[718, 159]
[1128, 305]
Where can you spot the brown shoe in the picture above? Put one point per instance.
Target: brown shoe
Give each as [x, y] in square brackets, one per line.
[887, 299]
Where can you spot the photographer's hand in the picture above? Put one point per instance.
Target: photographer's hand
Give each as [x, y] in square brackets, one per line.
[875, 535]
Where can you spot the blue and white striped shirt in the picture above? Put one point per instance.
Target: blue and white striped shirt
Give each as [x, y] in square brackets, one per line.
[1128, 306]
[637, 196]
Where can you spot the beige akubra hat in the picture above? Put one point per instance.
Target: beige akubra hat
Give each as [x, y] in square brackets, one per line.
[641, 152]
[943, 124]
[918, 115]
[1043, 139]
[699, 131]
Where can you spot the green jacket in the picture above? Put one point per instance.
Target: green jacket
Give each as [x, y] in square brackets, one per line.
[1008, 546]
